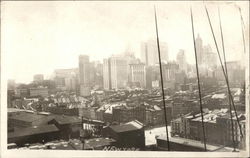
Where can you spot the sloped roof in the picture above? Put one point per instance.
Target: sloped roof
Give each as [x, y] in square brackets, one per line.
[130, 126]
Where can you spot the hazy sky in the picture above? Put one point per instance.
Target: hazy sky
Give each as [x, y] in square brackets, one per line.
[38, 37]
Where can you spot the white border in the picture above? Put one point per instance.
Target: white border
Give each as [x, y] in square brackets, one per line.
[66, 153]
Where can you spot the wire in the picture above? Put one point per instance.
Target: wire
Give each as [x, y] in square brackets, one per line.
[162, 87]
[226, 78]
[198, 78]
[225, 64]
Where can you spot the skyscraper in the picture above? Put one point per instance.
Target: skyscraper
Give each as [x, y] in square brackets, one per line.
[181, 60]
[210, 58]
[106, 74]
[115, 72]
[149, 52]
[84, 75]
[137, 74]
[199, 49]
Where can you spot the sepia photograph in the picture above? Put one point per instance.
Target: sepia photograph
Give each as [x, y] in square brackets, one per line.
[124, 78]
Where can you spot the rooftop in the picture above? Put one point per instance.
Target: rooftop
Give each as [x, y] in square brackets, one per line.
[33, 131]
[63, 119]
[189, 142]
[27, 116]
[130, 126]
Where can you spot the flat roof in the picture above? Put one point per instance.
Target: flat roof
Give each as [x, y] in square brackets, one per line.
[33, 131]
[189, 142]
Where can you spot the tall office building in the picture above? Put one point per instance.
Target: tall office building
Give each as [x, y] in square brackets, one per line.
[84, 75]
[71, 82]
[170, 71]
[106, 74]
[149, 52]
[137, 74]
[210, 59]
[199, 49]
[181, 60]
[115, 73]
[62, 78]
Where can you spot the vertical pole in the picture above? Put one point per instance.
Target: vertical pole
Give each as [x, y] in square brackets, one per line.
[224, 73]
[242, 31]
[199, 88]
[162, 86]
[225, 64]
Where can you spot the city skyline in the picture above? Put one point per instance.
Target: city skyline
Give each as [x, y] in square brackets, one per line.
[39, 43]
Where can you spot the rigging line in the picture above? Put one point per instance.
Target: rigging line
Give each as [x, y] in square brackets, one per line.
[242, 30]
[198, 78]
[225, 64]
[162, 87]
[227, 82]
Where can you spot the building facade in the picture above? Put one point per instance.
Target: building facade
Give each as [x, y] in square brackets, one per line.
[38, 78]
[40, 91]
[115, 73]
[137, 74]
[84, 75]
[181, 60]
[149, 52]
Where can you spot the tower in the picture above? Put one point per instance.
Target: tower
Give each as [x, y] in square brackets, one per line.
[84, 75]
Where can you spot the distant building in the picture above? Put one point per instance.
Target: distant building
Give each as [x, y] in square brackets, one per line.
[99, 75]
[22, 92]
[149, 52]
[11, 85]
[169, 74]
[40, 91]
[210, 58]
[71, 82]
[181, 60]
[84, 75]
[137, 74]
[38, 78]
[236, 74]
[115, 73]
[152, 77]
[199, 49]
[66, 79]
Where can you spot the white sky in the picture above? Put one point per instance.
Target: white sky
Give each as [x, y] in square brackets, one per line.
[38, 37]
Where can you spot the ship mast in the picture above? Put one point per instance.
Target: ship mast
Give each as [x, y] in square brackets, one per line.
[226, 73]
[226, 77]
[198, 80]
[162, 86]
